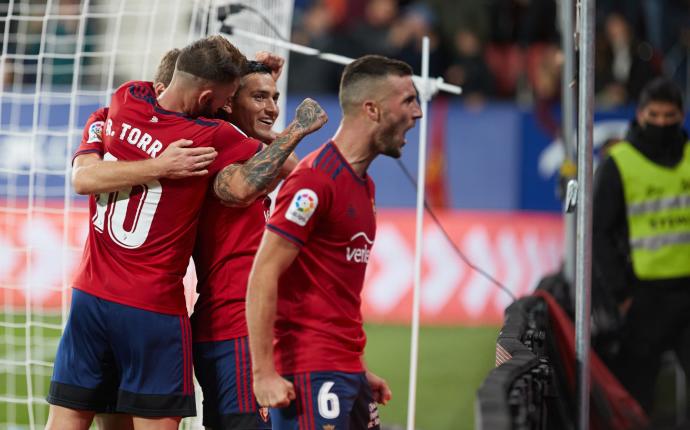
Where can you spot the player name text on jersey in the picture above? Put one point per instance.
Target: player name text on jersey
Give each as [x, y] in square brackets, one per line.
[136, 137]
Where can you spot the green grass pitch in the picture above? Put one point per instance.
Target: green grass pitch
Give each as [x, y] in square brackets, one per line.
[453, 361]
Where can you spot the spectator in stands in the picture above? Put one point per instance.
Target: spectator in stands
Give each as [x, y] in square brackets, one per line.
[468, 15]
[641, 238]
[623, 64]
[313, 28]
[678, 55]
[418, 20]
[372, 34]
[524, 21]
[468, 68]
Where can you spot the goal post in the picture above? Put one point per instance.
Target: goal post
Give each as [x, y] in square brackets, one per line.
[59, 61]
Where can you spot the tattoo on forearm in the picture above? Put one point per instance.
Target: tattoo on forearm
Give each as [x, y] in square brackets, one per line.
[259, 171]
[262, 169]
[307, 115]
[221, 185]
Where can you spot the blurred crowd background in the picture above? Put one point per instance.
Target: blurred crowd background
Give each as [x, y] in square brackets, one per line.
[496, 49]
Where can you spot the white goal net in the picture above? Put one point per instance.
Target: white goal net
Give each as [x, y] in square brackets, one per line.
[59, 61]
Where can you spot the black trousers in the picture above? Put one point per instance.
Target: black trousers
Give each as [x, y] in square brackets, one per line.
[658, 321]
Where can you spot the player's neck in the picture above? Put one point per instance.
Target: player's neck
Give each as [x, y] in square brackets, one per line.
[354, 143]
[172, 100]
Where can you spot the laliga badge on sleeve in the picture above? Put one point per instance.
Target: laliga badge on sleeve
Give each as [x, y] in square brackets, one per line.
[302, 207]
[96, 132]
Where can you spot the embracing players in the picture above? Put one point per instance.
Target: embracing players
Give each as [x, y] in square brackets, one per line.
[227, 241]
[127, 344]
[304, 288]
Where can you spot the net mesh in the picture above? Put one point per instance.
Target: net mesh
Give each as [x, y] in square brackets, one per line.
[59, 61]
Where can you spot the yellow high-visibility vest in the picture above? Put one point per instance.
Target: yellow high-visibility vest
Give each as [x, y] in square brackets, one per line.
[657, 201]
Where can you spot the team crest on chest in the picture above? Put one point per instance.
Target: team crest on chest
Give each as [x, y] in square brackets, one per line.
[302, 206]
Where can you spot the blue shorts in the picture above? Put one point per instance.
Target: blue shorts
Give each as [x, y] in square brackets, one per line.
[325, 400]
[223, 369]
[117, 358]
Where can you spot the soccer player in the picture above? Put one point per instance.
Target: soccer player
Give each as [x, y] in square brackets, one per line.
[227, 241]
[128, 340]
[90, 176]
[305, 284]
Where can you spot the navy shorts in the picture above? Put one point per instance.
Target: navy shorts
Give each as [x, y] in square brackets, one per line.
[326, 400]
[223, 369]
[117, 358]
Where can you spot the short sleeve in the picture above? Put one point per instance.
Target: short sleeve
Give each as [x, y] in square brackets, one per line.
[305, 198]
[92, 135]
[233, 146]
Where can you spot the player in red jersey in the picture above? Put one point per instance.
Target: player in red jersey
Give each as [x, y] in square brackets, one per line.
[128, 340]
[307, 277]
[254, 110]
[227, 241]
[90, 176]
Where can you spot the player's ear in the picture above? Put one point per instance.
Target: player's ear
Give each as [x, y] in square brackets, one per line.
[159, 87]
[205, 97]
[372, 110]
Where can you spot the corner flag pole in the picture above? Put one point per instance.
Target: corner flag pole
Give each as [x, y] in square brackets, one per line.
[424, 97]
[583, 246]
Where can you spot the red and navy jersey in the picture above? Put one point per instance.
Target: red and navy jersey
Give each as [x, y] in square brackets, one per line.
[327, 210]
[226, 243]
[141, 238]
[92, 136]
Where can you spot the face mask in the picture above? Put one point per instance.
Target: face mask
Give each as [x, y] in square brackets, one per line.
[663, 135]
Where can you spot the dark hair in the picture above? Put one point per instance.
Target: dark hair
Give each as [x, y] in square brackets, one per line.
[370, 66]
[364, 71]
[661, 90]
[256, 67]
[212, 58]
[166, 67]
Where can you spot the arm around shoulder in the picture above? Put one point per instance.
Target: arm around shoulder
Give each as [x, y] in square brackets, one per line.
[92, 175]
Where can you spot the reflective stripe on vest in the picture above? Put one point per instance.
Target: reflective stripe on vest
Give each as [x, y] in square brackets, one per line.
[657, 200]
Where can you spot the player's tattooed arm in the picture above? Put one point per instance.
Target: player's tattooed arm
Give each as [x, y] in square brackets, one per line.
[239, 185]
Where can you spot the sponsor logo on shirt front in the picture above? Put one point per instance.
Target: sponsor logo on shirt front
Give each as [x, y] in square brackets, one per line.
[302, 207]
[96, 132]
[359, 254]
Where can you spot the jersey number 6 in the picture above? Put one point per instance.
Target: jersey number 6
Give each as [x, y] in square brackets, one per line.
[329, 405]
[114, 208]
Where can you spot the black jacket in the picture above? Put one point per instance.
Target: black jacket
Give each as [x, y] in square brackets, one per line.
[611, 263]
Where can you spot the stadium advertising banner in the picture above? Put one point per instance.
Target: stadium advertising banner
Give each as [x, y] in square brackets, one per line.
[517, 249]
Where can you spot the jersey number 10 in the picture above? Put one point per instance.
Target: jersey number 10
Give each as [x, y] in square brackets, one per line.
[112, 209]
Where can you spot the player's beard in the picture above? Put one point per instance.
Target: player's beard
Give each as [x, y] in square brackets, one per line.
[387, 142]
[222, 114]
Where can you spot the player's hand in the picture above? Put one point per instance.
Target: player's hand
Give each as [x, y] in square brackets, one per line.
[272, 61]
[309, 116]
[179, 161]
[379, 388]
[273, 391]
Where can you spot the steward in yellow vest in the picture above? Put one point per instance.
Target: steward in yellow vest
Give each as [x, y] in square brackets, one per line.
[641, 239]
